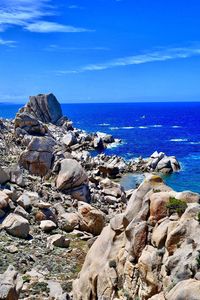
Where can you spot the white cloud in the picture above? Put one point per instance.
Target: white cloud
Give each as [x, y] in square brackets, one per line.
[7, 43]
[43, 26]
[155, 56]
[30, 15]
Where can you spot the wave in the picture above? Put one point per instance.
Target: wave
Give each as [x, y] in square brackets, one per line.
[156, 126]
[142, 127]
[116, 143]
[178, 140]
[114, 128]
[128, 127]
[176, 126]
[104, 124]
[194, 143]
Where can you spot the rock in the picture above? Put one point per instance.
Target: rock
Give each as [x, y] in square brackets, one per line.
[47, 225]
[98, 143]
[71, 175]
[16, 225]
[31, 125]
[106, 138]
[4, 200]
[162, 163]
[111, 188]
[136, 234]
[56, 290]
[4, 177]
[28, 199]
[10, 284]
[69, 139]
[16, 175]
[19, 210]
[159, 234]
[38, 157]
[158, 208]
[44, 108]
[69, 221]
[148, 265]
[12, 249]
[186, 289]
[57, 240]
[91, 219]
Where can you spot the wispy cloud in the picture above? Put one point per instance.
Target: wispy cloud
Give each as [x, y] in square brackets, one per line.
[75, 7]
[7, 43]
[154, 56]
[43, 26]
[55, 47]
[30, 15]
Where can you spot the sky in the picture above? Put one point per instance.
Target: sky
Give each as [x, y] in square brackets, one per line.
[100, 50]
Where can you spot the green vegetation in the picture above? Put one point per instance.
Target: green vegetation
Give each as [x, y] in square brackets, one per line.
[26, 278]
[198, 217]
[176, 206]
[157, 191]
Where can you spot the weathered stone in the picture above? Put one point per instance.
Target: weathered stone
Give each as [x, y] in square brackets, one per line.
[4, 177]
[16, 225]
[57, 240]
[71, 175]
[47, 225]
[38, 157]
[44, 108]
[91, 219]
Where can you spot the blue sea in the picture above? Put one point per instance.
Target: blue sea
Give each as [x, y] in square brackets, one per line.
[173, 128]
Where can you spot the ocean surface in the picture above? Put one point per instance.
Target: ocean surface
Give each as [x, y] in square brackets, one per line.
[173, 128]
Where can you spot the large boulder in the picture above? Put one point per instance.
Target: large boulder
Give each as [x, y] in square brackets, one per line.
[44, 108]
[186, 289]
[29, 123]
[162, 163]
[71, 175]
[38, 157]
[16, 225]
[91, 219]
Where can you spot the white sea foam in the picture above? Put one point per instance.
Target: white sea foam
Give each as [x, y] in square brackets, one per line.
[178, 140]
[156, 126]
[194, 143]
[176, 126]
[104, 124]
[128, 127]
[116, 143]
[143, 127]
[114, 128]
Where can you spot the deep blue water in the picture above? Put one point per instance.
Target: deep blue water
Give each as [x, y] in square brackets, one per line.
[173, 128]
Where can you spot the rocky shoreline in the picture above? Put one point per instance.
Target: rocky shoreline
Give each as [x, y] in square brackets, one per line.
[69, 230]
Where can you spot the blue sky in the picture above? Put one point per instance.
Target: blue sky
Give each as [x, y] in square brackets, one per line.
[100, 50]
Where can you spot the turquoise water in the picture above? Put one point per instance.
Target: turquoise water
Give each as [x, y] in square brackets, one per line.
[173, 128]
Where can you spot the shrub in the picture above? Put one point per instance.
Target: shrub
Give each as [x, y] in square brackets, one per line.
[176, 206]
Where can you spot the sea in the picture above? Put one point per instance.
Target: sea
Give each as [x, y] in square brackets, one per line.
[173, 128]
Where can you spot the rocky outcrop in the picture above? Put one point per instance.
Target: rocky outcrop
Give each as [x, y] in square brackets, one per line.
[44, 108]
[162, 163]
[144, 252]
